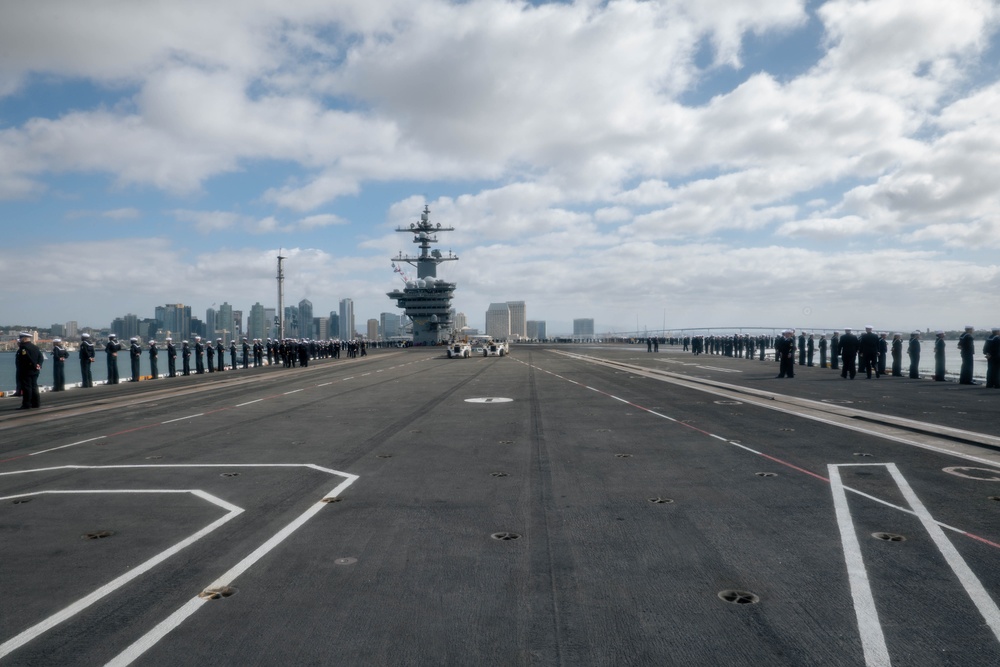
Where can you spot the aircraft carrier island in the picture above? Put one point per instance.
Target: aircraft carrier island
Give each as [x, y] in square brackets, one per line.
[562, 505]
[427, 300]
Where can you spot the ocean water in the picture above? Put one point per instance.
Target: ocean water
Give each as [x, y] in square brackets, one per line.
[99, 368]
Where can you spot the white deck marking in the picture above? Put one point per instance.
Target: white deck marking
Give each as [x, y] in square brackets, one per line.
[249, 402]
[148, 640]
[171, 421]
[324, 384]
[39, 628]
[872, 639]
[293, 391]
[970, 582]
[72, 444]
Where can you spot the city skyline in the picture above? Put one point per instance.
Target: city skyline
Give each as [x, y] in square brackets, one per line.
[667, 165]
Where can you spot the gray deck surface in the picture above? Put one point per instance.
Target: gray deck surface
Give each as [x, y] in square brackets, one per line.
[405, 569]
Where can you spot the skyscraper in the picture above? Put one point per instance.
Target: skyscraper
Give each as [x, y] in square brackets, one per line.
[583, 327]
[210, 323]
[257, 322]
[292, 321]
[346, 319]
[373, 329]
[175, 320]
[536, 330]
[518, 319]
[224, 323]
[306, 319]
[334, 325]
[270, 326]
[498, 321]
[389, 325]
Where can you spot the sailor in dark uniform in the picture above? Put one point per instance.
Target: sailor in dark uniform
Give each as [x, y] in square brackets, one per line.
[270, 353]
[967, 347]
[186, 357]
[897, 355]
[135, 354]
[802, 349]
[246, 353]
[823, 345]
[220, 351]
[210, 353]
[939, 357]
[59, 356]
[111, 349]
[869, 344]
[883, 351]
[834, 351]
[258, 353]
[913, 351]
[232, 355]
[171, 358]
[847, 348]
[991, 348]
[86, 359]
[199, 361]
[810, 350]
[154, 369]
[785, 347]
[28, 363]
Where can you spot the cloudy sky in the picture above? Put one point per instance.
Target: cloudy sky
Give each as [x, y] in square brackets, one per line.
[688, 162]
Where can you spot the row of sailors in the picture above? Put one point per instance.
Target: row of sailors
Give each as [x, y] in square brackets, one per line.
[289, 352]
[870, 350]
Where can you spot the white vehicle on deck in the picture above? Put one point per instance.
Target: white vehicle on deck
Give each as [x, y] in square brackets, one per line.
[459, 350]
[495, 348]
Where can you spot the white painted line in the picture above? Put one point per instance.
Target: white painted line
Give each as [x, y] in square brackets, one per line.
[147, 641]
[872, 640]
[364, 374]
[970, 582]
[39, 628]
[293, 391]
[249, 402]
[352, 377]
[324, 384]
[170, 421]
[719, 437]
[72, 444]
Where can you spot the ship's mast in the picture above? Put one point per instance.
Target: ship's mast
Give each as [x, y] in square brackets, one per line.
[281, 298]
[424, 235]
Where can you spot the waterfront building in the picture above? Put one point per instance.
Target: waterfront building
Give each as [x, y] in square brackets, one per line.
[126, 327]
[373, 329]
[583, 327]
[461, 322]
[536, 329]
[321, 328]
[270, 323]
[71, 330]
[498, 321]
[257, 322]
[347, 319]
[292, 322]
[237, 324]
[175, 320]
[209, 323]
[224, 322]
[518, 320]
[306, 319]
[334, 325]
[389, 325]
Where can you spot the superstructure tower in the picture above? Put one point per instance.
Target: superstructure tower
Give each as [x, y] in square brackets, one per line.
[426, 300]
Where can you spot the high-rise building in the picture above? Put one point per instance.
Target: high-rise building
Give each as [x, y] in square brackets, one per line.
[346, 319]
[461, 322]
[238, 324]
[518, 320]
[224, 324]
[334, 325]
[321, 328]
[292, 321]
[270, 322]
[210, 323]
[498, 321]
[257, 322]
[372, 329]
[583, 327]
[389, 325]
[175, 320]
[126, 327]
[536, 330]
[306, 319]
[72, 330]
